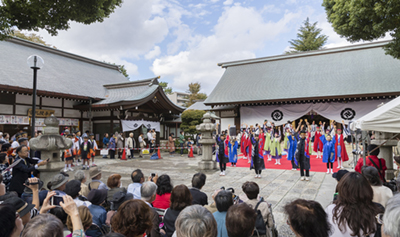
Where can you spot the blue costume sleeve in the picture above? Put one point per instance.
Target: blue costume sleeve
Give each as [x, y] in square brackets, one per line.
[322, 139]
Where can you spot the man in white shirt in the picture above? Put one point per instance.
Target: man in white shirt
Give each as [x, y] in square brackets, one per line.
[150, 139]
[137, 180]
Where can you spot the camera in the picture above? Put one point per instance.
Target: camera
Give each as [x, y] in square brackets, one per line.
[27, 183]
[357, 152]
[55, 200]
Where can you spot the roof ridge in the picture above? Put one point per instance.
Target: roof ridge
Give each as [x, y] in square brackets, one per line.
[145, 82]
[31, 44]
[306, 54]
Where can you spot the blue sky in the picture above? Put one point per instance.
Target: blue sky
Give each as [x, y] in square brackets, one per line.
[182, 41]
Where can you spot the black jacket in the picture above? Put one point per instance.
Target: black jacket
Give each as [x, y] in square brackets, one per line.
[21, 172]
[198, 197]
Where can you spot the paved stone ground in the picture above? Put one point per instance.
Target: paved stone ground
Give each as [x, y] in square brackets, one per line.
[276, 186]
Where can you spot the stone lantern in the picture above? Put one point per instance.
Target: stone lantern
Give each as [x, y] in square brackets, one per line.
[50, 144]
[386, 150]
[207, 141]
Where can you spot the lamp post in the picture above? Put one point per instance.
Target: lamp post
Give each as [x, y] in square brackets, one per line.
[35, 62]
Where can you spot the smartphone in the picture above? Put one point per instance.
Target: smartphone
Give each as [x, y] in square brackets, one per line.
[48, 159]
[153, 175]
[55, 200]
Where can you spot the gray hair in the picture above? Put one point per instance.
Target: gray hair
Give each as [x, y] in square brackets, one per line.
[196, 221]
[42, 225]
[79, 175]
[147, 190]
[398, 182]
[391, 218]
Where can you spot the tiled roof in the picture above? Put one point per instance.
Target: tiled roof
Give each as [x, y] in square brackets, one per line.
[362, 69]
[63, 72]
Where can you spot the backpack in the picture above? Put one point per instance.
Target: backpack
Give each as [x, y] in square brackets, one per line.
[261, 226]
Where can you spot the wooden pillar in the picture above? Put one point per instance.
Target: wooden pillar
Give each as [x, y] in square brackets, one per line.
[176, 130]
[81, 123]
[62, 108]
[111, 123]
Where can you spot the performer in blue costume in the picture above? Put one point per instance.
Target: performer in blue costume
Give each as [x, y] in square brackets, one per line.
[233, 147]
[328, 152]
[292, 150]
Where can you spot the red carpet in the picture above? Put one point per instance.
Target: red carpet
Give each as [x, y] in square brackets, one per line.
[316, 164]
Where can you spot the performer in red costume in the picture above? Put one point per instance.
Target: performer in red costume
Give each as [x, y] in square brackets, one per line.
[317, 142]
[243, 143]
[340, 147]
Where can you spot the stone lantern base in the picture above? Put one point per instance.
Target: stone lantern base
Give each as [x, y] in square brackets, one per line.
[207, 165]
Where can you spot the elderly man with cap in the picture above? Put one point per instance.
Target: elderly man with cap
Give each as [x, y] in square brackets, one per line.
[373, 160]
[72, 189]
[81, 177]
[58, 184]
[22, 171]
[99, 213]
[95, 175]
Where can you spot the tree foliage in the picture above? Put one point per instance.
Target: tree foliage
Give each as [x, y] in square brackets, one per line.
[123, 71]
[164, 85]
[52, 15]
[309, 38]
[191, 118]
[194, 95]
[30, 37]
[366, 20]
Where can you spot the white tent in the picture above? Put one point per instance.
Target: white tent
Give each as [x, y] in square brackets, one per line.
[386, 118]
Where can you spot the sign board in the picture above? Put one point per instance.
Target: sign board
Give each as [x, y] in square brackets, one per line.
[10, 119]
[41, 113]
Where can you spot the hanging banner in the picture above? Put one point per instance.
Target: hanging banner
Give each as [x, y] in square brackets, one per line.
[280, 114]
[131, 125]
[152, 125]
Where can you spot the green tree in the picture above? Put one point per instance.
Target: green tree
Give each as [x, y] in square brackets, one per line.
[191, 118]
[164, 85]
[366, 20]
[194, 95]
[309, 38]
[123, 70]
[51, 15]
[30, 37]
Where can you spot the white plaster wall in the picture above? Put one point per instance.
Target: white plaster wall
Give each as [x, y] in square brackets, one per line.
[26, 99]
[22, 109]
[51, 102]
[72, 113]
[227, 121]
[6, 109]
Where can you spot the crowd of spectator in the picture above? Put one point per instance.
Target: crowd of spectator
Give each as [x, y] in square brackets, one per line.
[154, 206]
[84, 205]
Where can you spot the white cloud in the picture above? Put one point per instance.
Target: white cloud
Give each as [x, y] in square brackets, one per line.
[228, 2]
[239, 32]
[153, 53]
[131, 31]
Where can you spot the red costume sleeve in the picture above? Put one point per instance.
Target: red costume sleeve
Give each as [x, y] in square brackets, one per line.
[360, 163]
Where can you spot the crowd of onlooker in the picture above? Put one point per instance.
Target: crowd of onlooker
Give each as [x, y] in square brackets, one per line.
[153, 206]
